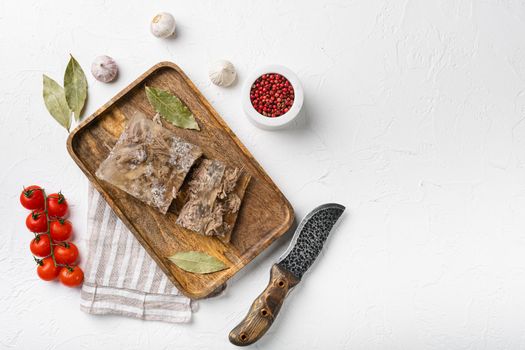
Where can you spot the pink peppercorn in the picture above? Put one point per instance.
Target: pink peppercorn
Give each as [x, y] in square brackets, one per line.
[272, 95]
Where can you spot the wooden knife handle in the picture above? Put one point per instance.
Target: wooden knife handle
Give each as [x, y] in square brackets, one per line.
[264, 309]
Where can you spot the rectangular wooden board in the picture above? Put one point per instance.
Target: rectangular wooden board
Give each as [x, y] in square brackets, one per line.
[265, 213]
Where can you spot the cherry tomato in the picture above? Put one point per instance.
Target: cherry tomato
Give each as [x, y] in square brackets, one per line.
[32, 197]
[60, 230]
[37, 221]
[66, 255]
[57, 205]
[40, 246]
[71, 276]
[47, 270]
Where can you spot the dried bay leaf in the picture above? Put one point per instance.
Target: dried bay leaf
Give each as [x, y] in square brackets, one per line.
[75, 86]
[197, 262]
[171, 108]
[55, 101]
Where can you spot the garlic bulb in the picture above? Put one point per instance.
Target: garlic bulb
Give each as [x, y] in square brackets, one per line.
[104, 69]
[222, 73]
[163, 25]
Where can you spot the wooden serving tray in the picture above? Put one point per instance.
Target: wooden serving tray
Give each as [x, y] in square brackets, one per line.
[265, 213]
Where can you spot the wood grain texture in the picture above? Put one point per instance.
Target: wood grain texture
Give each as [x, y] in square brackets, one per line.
[264, 309]
[265, 213]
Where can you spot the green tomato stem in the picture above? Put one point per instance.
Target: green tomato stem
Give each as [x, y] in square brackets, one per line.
[48, 232]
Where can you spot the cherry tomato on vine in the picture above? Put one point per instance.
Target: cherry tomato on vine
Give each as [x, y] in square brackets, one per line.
[66, 254]
[71, 276]
[32, 197]
[40, 246]
[60, 230]
[57, 205]
[36, 221]
[47, 270]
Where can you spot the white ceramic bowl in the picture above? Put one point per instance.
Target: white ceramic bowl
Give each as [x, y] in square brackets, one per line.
[260, 120]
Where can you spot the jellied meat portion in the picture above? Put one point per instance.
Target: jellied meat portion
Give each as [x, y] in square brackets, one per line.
[149, 162]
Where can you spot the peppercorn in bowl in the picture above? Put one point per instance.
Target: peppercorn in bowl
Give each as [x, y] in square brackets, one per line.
[272, 97]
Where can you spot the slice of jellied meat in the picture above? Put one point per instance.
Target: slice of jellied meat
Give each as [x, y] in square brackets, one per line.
[149, 162]
[214, 198]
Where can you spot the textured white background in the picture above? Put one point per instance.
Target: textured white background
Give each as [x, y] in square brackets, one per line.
[415, 119]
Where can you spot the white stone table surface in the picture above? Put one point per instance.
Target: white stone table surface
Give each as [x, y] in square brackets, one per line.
[414, 119]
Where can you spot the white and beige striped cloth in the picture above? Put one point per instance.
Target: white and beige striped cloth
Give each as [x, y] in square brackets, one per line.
[120, 277]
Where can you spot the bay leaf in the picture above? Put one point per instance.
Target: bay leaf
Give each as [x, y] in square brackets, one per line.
[75, 86]
[55, 101]
[171, 108]
[197, 262]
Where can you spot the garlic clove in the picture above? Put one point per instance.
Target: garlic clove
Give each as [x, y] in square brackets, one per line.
[104, 69]
[163, 25]
[222, 73]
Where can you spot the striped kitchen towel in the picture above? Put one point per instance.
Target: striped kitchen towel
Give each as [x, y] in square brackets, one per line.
[120, 277]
